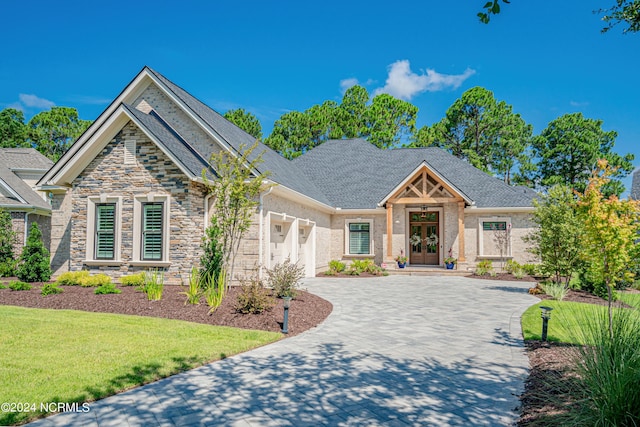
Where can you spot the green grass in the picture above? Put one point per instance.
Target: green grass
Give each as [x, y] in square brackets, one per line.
[564, 317]
[631, 299]
[74, 356]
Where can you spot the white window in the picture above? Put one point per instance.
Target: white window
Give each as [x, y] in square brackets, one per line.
[151, 230]
[358, 235]
[494, 237]
[104, 215]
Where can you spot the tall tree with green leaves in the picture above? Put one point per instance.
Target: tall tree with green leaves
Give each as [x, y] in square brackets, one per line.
[13, 131]
[52, 132]
[34, 265]
[556, 239]
[246, 121]
[482, 131]
[7, 240]
[610, 227]
[235, 192]
[384, 121]
[569, 149]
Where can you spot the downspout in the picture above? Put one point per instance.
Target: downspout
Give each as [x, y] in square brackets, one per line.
[260, 230]
[206, 211]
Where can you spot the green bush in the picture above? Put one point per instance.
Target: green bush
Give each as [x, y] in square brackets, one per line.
[254, 298]
[511, 266]
[17, 285]
[71, 278]
[34, 263]
[153, 284]
[50, 289]
[8, 268]
[484, 267]
[106, 288]
[3, 286]
[93, 281]
[133, 279]
[336, 266]
[284, 278]
[531, 269]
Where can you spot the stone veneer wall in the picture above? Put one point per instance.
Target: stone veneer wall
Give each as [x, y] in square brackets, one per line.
[153, 173]
[154, 98]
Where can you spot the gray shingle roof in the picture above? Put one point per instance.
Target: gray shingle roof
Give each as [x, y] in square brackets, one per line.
[14, 192]
[635, 185]
[355, 174]
[280, 169]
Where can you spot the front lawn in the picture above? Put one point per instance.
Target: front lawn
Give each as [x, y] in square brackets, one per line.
[73, 356]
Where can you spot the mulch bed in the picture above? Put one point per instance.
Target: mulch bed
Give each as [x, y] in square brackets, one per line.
[306, 310]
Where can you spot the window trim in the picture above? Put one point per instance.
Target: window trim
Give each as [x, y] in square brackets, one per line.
[138, 222]
[347, 236]
[90, 240]
[481, 230]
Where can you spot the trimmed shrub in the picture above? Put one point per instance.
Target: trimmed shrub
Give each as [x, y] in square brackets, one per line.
[50, 289]
[133, 279]
[72, 278]
[511, 266]
[34, 263]
[107, 288]
[92, 281]
[17, 285]
[8, 268]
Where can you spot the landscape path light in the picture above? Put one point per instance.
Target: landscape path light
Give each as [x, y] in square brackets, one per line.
[286, 302]
[546, 315]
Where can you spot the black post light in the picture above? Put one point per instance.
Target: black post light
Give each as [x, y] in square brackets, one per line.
[546, 315]
[285, 323]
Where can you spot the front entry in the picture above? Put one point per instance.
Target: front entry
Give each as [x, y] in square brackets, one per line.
[424, 240]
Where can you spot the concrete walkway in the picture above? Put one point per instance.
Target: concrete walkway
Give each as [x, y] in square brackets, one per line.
[396, 351]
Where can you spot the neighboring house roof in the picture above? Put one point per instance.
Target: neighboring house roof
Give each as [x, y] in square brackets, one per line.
[635, 185]
[15, 193]
[355, 174]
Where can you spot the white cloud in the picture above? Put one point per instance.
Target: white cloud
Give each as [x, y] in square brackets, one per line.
[33, 101]
[347, 83]
[578, 104]
[405, 84]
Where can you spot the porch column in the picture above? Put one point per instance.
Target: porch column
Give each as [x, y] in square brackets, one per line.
[389, 230]
[461, 257]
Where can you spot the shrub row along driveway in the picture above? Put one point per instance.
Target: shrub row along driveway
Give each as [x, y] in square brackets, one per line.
[395, 351]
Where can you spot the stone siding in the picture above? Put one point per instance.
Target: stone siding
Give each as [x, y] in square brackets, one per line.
[152, 173]
[17, 222]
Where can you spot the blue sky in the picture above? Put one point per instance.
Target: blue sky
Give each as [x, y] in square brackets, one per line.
[545, 58]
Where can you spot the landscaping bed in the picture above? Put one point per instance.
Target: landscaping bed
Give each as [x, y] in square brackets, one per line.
[306, 311]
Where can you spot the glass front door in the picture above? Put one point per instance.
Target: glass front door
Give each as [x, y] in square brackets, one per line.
[424, 240]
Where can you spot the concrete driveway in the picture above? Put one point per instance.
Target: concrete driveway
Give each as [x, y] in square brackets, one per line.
[396, 351]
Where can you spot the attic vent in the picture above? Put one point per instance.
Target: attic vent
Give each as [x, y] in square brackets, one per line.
[129, 151]
[301, 232]
[278, 228]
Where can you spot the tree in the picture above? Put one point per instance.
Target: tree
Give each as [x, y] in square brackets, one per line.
[245, 121]
[482, 131]
[557, 236]
[13, 131]
[52, 132]
[610, 230]
[34, 263]
[622, 12]
[235, 193]
[385, 122]
[568, 150]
